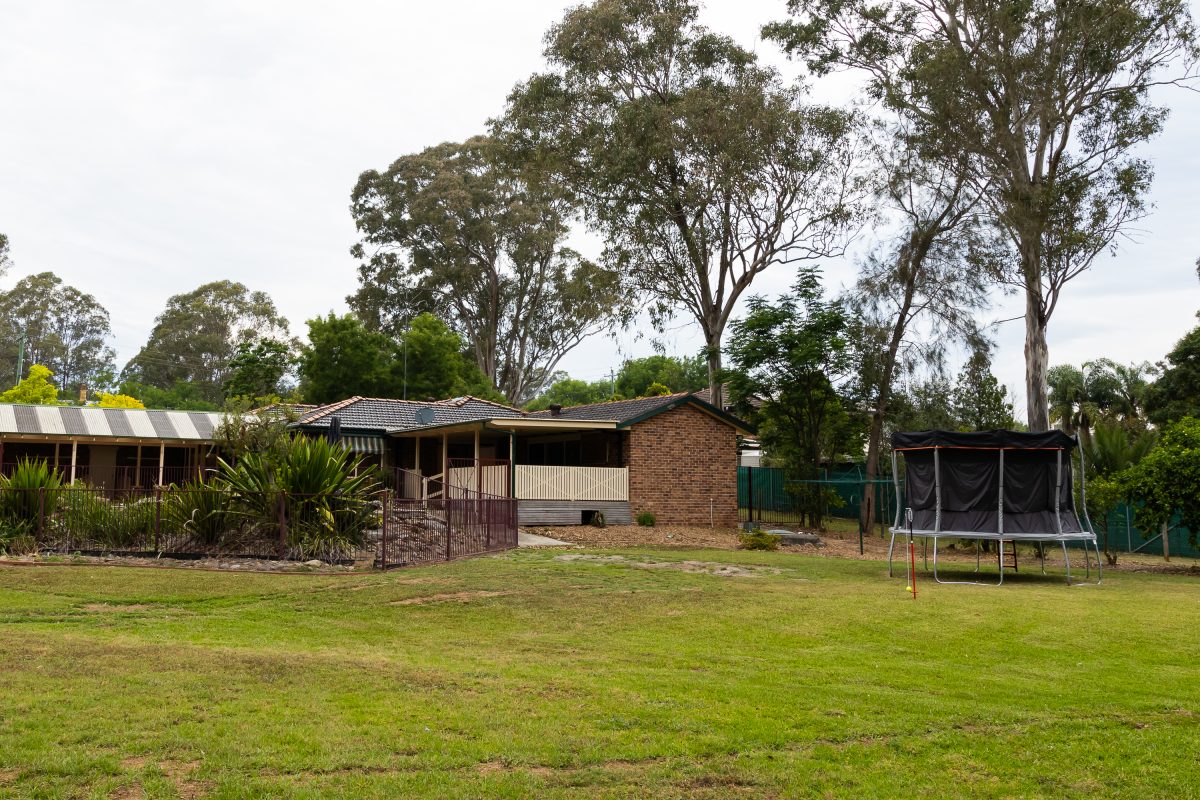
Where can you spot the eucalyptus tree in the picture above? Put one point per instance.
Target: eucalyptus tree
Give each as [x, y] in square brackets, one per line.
[1047, 100]
[459, 230]
[700, 168]
[195, 339]
[921, 288]
[63, 328]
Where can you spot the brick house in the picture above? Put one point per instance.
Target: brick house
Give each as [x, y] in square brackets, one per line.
[675, 456]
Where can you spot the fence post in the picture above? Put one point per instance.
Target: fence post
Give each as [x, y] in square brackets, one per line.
[750, 493]
[383, 532]
[449, 525]
[282, 525]
[41, 512]
[157, 516]
[1166, 536]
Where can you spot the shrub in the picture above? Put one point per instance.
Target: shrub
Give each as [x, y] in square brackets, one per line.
[32, 491]
[646, 519]
[200, 511]
[19, 545]
[759, 540]
[328, 491]
[88, 516]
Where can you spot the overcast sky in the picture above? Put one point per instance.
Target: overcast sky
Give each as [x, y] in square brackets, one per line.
[149, 147]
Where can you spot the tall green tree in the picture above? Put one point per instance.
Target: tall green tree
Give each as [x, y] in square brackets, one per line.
[458, 230]
[913, 297]
[195, 338]
[343, 358]
[678, 374]
[1046, 100]
[258, 369]
[5, 254]
[568, 392]
[66, 329]
[699, 167]
[1176, 393]
[1166, 482]
[788, 358]
[979, 400]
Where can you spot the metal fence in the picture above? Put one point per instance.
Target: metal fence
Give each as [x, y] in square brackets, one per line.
[183, 522]
[765, 494]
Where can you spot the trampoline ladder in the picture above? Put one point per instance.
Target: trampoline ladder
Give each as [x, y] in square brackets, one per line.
[1002, 556]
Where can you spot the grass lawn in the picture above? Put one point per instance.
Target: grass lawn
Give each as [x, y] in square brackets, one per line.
[527, 676]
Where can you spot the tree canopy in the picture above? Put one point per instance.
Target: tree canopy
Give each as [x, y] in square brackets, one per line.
[257, 369]
[787, 359]
[197, 336]
[343, 358]
[699, 167]
[37, 389]
[456, 230]
[1046, 102]
[67, 331]
[1176, 393]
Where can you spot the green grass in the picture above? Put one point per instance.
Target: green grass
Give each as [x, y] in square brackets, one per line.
[554, 679]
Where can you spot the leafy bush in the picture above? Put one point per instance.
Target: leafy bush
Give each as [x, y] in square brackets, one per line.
[329, 495]
[759, 540]
[646, 519]
[32, 491]
[200, 510]
[87, 515]
[18, 545]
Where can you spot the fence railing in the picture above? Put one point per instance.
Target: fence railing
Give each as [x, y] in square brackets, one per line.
[217, 522]
[571, 483]
[120, 478]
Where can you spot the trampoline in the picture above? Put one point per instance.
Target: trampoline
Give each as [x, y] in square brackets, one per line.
[1001, 486]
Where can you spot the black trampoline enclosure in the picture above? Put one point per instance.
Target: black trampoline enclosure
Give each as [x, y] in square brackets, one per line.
[990, 482]
[1003, 486]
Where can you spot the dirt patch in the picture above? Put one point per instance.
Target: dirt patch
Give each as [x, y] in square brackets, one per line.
[102, 607]
[699, 567]
[133, 792]
[449, 597]
[638, 536]
[8, 776]
[180, 774]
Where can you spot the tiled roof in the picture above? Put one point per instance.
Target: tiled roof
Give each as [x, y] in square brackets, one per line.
[122, 423]
[384, 414]
[618, 411]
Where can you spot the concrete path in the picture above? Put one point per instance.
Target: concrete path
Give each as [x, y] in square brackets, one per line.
[533, 540]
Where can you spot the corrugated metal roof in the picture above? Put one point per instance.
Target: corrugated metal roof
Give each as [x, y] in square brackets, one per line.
[382, 414]
[116, 423]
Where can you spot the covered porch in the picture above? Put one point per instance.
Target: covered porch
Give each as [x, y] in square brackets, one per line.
[534, 460]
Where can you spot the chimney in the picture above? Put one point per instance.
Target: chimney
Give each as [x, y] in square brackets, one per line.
[555, 410]
[83, 394]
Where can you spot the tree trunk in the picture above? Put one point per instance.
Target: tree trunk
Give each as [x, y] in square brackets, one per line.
[1037, 356]
[713, 354]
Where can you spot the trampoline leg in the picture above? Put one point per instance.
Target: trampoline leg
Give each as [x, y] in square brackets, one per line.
[1001, 549]
[935, 572]
[925, 552]
[1067, 562]
[1042, 556]
[891, 546]
[1087, 563]
[978, 550]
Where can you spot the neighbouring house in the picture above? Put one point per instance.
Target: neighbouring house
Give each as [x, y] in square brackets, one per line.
[675, 456]
[111, 448]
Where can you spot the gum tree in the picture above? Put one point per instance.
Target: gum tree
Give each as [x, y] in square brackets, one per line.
[1048, 101]
[700, 168]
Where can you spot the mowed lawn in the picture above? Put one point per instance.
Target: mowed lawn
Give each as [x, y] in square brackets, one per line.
[527, 676]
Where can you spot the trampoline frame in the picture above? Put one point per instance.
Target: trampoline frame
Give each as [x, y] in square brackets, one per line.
[1087, 536]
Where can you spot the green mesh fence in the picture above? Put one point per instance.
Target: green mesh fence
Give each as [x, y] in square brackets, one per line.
[764, 496]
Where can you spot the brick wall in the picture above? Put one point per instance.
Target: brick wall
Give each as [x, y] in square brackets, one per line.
[680, 460]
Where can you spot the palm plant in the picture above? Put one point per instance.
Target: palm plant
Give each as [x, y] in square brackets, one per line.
[30, 493]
